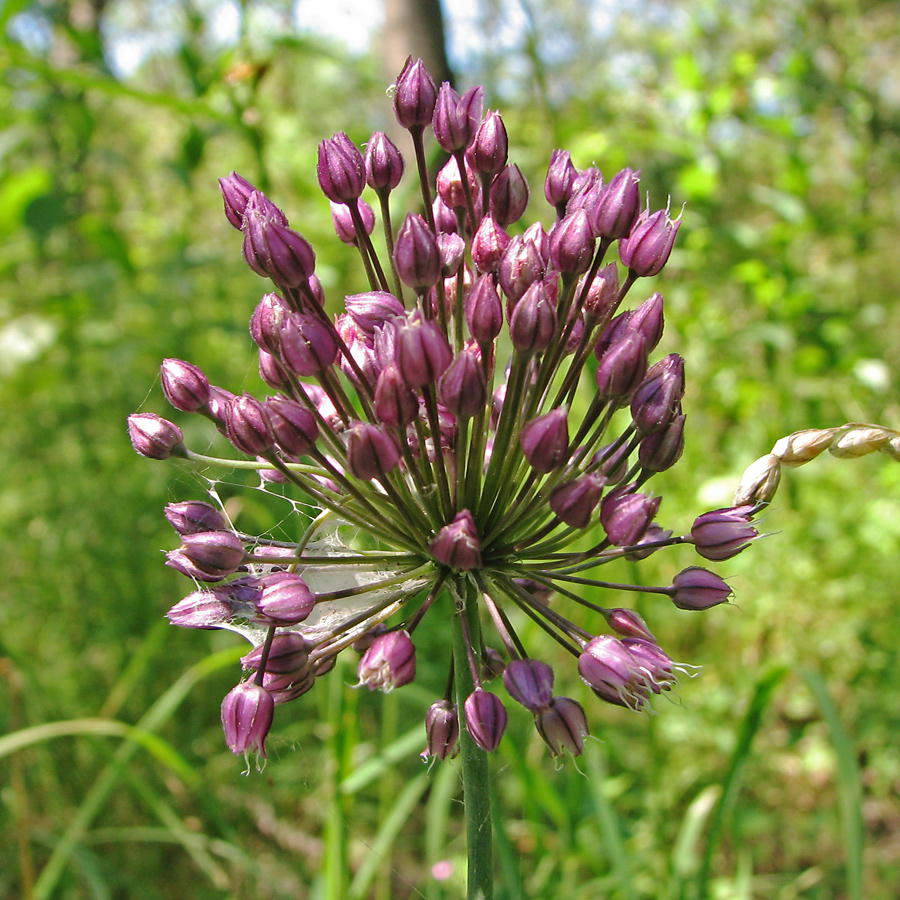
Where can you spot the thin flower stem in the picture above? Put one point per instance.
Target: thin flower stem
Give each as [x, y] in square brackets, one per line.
[387, 226]
[399, 578]
[366, 247]
[460, 157]
[535, 612]
[422, 167]
[264, 656]
[435, 423]
[475, 768]
[493, 480]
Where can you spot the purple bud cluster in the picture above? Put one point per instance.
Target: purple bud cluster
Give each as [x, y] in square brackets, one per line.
[469, 470]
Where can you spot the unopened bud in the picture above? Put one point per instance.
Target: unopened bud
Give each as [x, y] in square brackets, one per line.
[389, 663]
[155, 437]
[486, 719]
[802, 446]
[759, 482]
[854, 441]
[247, 713]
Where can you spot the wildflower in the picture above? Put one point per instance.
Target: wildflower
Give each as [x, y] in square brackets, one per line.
[467, 475]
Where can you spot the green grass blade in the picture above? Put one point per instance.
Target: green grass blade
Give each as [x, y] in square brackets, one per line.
[155, 717]
[731, 784]
[375, 766]
[160, 749]
[687, 855]
[610, 827]
[849, 783]
[387, 834]
[446, 786]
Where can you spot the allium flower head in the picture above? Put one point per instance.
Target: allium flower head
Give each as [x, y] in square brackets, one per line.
[454, 430]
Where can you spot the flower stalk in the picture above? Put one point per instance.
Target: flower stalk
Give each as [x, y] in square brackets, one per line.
[452, 483]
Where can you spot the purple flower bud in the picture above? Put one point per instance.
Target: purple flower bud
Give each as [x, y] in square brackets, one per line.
[201, 609]
[612, 462]
[463, 386]
[384, 163]
[622, 368]
[272, 372]
[422, 351]
[563, 726]
[340, 169]
[615, 331]
[458, 545]
[272, 249]
[587, 186]
[414, 95]
[215, 553]
[442, 730]
[490, 147]
[288, 655]
[722, 533]
[658, 399]
[395, 404]
[488, 245]
[648, 321]
[219, 399]
[529, 682]
[520, 267]
[308, 345]
[416, 254]
[651, 540]
[646, 249]
[285, 599]
[617, 207]
[343, 220]
[576, 331]
[508, 198]
[235, 192]
[184, 385]
[444, 217]
[452, 249]
[455, 120]
[603, 292]
[267, 321]
[247, 713]
[248, 426]
[371, 452]
[536, 234]
[293, 425]
[450, 187]
[486, 719]
[627, 623]
[661, 449]
[484, 310]
[545, 440]
[155, 437]
[361, 350]
[574, 501]
[192, 516]
[372, 309]
[533, 324]
[572, 243]
[389, 663]
[625, 515]
[612, 673]
[284, 688]
[558, 184]
[697, 588]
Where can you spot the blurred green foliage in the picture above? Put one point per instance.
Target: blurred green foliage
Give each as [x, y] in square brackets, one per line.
[779, 126]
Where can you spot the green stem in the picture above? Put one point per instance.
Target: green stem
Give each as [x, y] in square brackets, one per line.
[475, 771]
